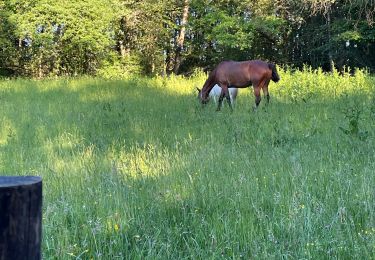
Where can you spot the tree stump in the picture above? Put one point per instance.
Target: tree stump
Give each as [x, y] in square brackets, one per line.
[20, 217]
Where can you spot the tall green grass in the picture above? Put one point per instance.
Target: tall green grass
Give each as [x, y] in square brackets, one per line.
[136, 168]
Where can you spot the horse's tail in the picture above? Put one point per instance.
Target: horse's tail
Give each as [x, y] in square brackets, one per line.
[275, 76]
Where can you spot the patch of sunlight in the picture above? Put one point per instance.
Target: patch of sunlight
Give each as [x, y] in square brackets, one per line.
[87, 156]
[140, 162]
[52, 85]
[66, 152]
[7, 85]
[68, 140]
[59, 164]
[79, 164]
[7, 131]
[101, 94]
[178, 85]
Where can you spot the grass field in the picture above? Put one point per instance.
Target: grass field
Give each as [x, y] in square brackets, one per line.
[136, 169]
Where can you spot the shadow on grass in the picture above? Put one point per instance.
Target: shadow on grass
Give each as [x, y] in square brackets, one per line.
[193, 182]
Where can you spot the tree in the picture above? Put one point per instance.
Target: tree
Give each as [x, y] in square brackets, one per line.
[60, 37]
[334, 32]
[181, 36]
[41, 38]
[232, 29]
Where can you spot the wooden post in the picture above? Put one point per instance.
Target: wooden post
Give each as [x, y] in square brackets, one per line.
[20, 217]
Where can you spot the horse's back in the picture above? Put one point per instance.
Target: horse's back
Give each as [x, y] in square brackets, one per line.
[234, 73]
[225, 65]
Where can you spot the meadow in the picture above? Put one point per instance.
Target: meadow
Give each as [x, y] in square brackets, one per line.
[135, 168]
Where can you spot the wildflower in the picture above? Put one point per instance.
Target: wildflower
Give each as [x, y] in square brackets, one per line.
[117, 227]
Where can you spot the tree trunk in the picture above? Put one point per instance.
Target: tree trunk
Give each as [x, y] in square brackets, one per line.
[330, 58]
[181, 37]
[123, 41]
[20, 217]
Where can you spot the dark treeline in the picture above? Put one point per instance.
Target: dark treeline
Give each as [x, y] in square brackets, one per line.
[42, 38]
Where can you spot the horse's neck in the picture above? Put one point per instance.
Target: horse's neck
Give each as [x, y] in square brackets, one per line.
[206, 91]
[208, 85]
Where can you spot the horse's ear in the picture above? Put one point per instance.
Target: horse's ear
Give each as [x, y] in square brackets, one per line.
[199, 90]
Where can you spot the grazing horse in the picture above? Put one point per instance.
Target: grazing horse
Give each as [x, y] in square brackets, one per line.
[233, 74]
[216, 92]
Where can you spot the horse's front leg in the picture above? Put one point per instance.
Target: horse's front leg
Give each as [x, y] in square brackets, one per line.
[221, 97]
[224, 89]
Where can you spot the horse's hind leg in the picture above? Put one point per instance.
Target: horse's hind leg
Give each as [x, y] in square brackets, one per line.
[265, 91]
[257, 96]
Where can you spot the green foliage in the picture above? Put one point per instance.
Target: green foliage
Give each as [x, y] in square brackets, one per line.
[229, 31]
[44, 38]
[63, 37]
[304, 85]
[136, 168]
[349, 35]
[353, 116]
[120, 68]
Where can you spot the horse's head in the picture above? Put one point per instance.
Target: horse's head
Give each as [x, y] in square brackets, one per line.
[200, 96]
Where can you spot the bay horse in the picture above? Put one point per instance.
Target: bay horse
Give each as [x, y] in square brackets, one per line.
[234, 74]
[216, 92]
